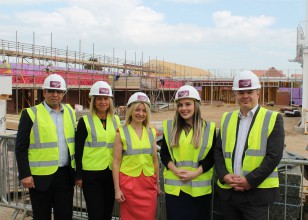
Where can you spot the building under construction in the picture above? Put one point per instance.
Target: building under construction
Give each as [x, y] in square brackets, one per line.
[29, 64]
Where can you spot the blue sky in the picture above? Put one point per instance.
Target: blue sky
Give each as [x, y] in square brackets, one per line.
[208, 34]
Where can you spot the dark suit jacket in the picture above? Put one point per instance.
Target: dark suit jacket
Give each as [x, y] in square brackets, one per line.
[21, 152]
[274, 151]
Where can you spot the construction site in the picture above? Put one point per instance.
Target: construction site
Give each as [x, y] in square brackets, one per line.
[27, 65]
[24, 67]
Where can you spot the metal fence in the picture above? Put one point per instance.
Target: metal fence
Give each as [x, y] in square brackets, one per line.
[292, 173]
[14, 195]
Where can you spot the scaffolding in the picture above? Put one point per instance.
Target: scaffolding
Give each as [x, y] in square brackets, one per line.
[29, 64]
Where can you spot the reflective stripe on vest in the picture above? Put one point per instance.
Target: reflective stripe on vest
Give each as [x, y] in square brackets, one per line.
[169, 129]
[94, 142]
[130, 150]
[71, 140]
[262, 150]
[71, 114]
[263, 125]
[98, 146]
[38, 144]
[45, 165]
[201, 185]
[224, 137]
[274, 174]
[134, 159]
[193, 164]
[249, 152]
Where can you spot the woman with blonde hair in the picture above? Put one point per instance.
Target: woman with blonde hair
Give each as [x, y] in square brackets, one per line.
[135, 164]
[94, 152]
[187, 154]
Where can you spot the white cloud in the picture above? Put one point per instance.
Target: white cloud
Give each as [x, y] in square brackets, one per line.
[29, 2]
[189, 1]
[131, 25]
[237, 28]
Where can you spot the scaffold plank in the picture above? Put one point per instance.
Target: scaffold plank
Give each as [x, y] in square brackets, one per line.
[4, 97]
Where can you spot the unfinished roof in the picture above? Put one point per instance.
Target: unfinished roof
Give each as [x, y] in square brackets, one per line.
[168, 69]
[271, 72]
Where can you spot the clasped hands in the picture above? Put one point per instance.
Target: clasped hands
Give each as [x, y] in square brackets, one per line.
[238, 183]
[185, 175]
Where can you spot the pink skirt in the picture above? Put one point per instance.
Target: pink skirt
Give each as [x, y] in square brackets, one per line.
[140, 195]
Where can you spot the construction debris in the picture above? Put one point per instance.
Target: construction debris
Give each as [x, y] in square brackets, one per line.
[294, 113]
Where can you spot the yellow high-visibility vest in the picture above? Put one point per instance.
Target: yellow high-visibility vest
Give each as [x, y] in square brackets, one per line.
[257, 142]
[43, 151]
[98, 148]
[187, 157]
[137, 154]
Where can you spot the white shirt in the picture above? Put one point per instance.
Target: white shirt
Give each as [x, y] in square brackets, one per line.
[57, 118]
[243, 129]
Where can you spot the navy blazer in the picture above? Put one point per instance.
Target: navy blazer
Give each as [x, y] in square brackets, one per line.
[21, 152]
[274, 152]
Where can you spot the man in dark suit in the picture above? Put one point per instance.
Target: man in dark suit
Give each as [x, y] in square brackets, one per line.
[45, 152]
[248, 149]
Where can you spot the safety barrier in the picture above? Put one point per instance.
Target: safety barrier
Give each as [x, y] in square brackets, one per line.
[292, 174]
[14, 195]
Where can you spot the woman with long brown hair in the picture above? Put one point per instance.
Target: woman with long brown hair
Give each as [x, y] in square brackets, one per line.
[187, 154]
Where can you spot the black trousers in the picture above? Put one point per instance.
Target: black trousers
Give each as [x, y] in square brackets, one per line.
[98, 192]
[185, 207]
[238, 207]
[58, 196]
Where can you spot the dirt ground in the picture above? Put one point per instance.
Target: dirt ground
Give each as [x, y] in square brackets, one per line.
[295, 143]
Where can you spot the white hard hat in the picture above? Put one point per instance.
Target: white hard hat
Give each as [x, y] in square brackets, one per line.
[101, 88]
[54, 81]
[187, 92]
[246, 80]
[139, 97]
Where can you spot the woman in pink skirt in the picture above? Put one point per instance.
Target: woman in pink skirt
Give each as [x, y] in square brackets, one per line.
[135, 164]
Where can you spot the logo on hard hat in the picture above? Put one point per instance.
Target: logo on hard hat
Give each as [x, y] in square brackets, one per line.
[244, 83]
[142, 98]
[183, 93]
[55, 84]
[103, 91]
